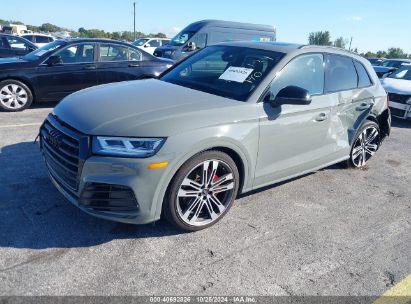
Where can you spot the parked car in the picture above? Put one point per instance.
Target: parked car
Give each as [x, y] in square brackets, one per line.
[150, 44]
[230, 119]
[65, 66]
[39, 39]
[389, 66]
[14, 46]
[398, 87]
[376, 61]
[200, 34]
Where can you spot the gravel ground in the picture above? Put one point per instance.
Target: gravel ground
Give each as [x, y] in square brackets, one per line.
[333, 232]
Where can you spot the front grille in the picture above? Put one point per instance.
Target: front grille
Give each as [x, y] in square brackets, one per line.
[399, 98]
[397, 112]
[61, 152]
[107, 197]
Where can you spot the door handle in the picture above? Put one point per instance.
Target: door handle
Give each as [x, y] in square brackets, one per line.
[321, 117]
[89, 67]
[133, 65]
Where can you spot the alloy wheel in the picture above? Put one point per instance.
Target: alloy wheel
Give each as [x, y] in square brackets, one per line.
[365, 146]
[205, 193]
[13, 96]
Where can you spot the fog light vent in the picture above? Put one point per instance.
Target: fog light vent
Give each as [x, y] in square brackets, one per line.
[107, 197]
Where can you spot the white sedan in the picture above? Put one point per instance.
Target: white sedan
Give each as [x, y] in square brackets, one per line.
[398, 87]
[39, 39]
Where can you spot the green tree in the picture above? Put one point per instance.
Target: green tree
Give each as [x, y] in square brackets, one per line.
[48, 27]
[396, 53]
[370, 55]
[382, 54]
[340, 42]
[320, 38]
[160, 35]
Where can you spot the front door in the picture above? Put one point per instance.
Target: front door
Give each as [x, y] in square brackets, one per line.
[295, 138]
[76, 71]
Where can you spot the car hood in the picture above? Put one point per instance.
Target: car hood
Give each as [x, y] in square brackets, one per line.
[381, 69]
[143, 108]
[397, 86]
[14, 62]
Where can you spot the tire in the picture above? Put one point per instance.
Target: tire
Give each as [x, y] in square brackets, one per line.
[192, 202]
[362, 151]
[14, 96]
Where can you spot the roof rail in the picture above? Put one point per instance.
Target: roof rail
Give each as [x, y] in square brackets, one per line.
[328, 47]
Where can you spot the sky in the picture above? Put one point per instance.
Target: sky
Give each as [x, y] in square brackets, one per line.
[373, 24]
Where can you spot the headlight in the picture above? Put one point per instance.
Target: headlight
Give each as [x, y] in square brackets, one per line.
[128, 147]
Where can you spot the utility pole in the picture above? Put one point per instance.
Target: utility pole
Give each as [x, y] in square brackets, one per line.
[134, 4]
[350, 45]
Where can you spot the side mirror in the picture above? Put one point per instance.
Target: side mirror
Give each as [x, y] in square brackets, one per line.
[290, 95]
[191, 46]
[54, 60]
[31, 48]
[147, 45]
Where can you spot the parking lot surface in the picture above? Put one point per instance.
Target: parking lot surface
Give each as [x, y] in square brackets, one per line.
[333, 232]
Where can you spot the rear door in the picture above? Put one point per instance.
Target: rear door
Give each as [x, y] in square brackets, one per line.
[347, 84]
[76, 71]
[118, 62]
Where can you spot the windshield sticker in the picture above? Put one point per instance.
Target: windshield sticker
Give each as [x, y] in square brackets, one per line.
[236, 74]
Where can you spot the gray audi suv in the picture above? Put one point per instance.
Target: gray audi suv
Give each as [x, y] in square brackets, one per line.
[229, 119]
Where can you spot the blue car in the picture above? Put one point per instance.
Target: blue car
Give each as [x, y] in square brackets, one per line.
[14, 46]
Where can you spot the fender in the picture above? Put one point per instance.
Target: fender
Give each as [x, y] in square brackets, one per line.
[204, 145]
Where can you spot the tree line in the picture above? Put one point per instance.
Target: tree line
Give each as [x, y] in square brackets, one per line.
[324, 38]
[87, 33]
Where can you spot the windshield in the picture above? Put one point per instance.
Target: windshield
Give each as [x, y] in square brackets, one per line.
[392, 63]
[140, 42]
[232, 72]
[403, 72]
[46, 49]
[182, 38]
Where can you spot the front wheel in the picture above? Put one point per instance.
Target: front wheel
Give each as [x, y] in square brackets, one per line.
[366, 143]
[14, 96]
[202, 191]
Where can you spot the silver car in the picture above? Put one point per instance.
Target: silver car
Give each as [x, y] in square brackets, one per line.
[398, 87]
[230, 119]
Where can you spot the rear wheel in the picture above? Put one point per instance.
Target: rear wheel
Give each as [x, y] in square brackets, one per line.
[14, 96]
[202, 191]
[366, 143]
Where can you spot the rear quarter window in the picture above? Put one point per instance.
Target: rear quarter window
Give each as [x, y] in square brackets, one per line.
[340, 74]
[363, 76]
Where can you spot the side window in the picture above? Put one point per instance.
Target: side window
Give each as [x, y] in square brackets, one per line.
[154, 43]
[164, 42]
[363, 77]
[113, 52]
[2, 44]
[42, 39]
[29, 38]
[305, 71]
[200, 40]
[134, 55]
[80, 53]
[16, 43]
[340, 74]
